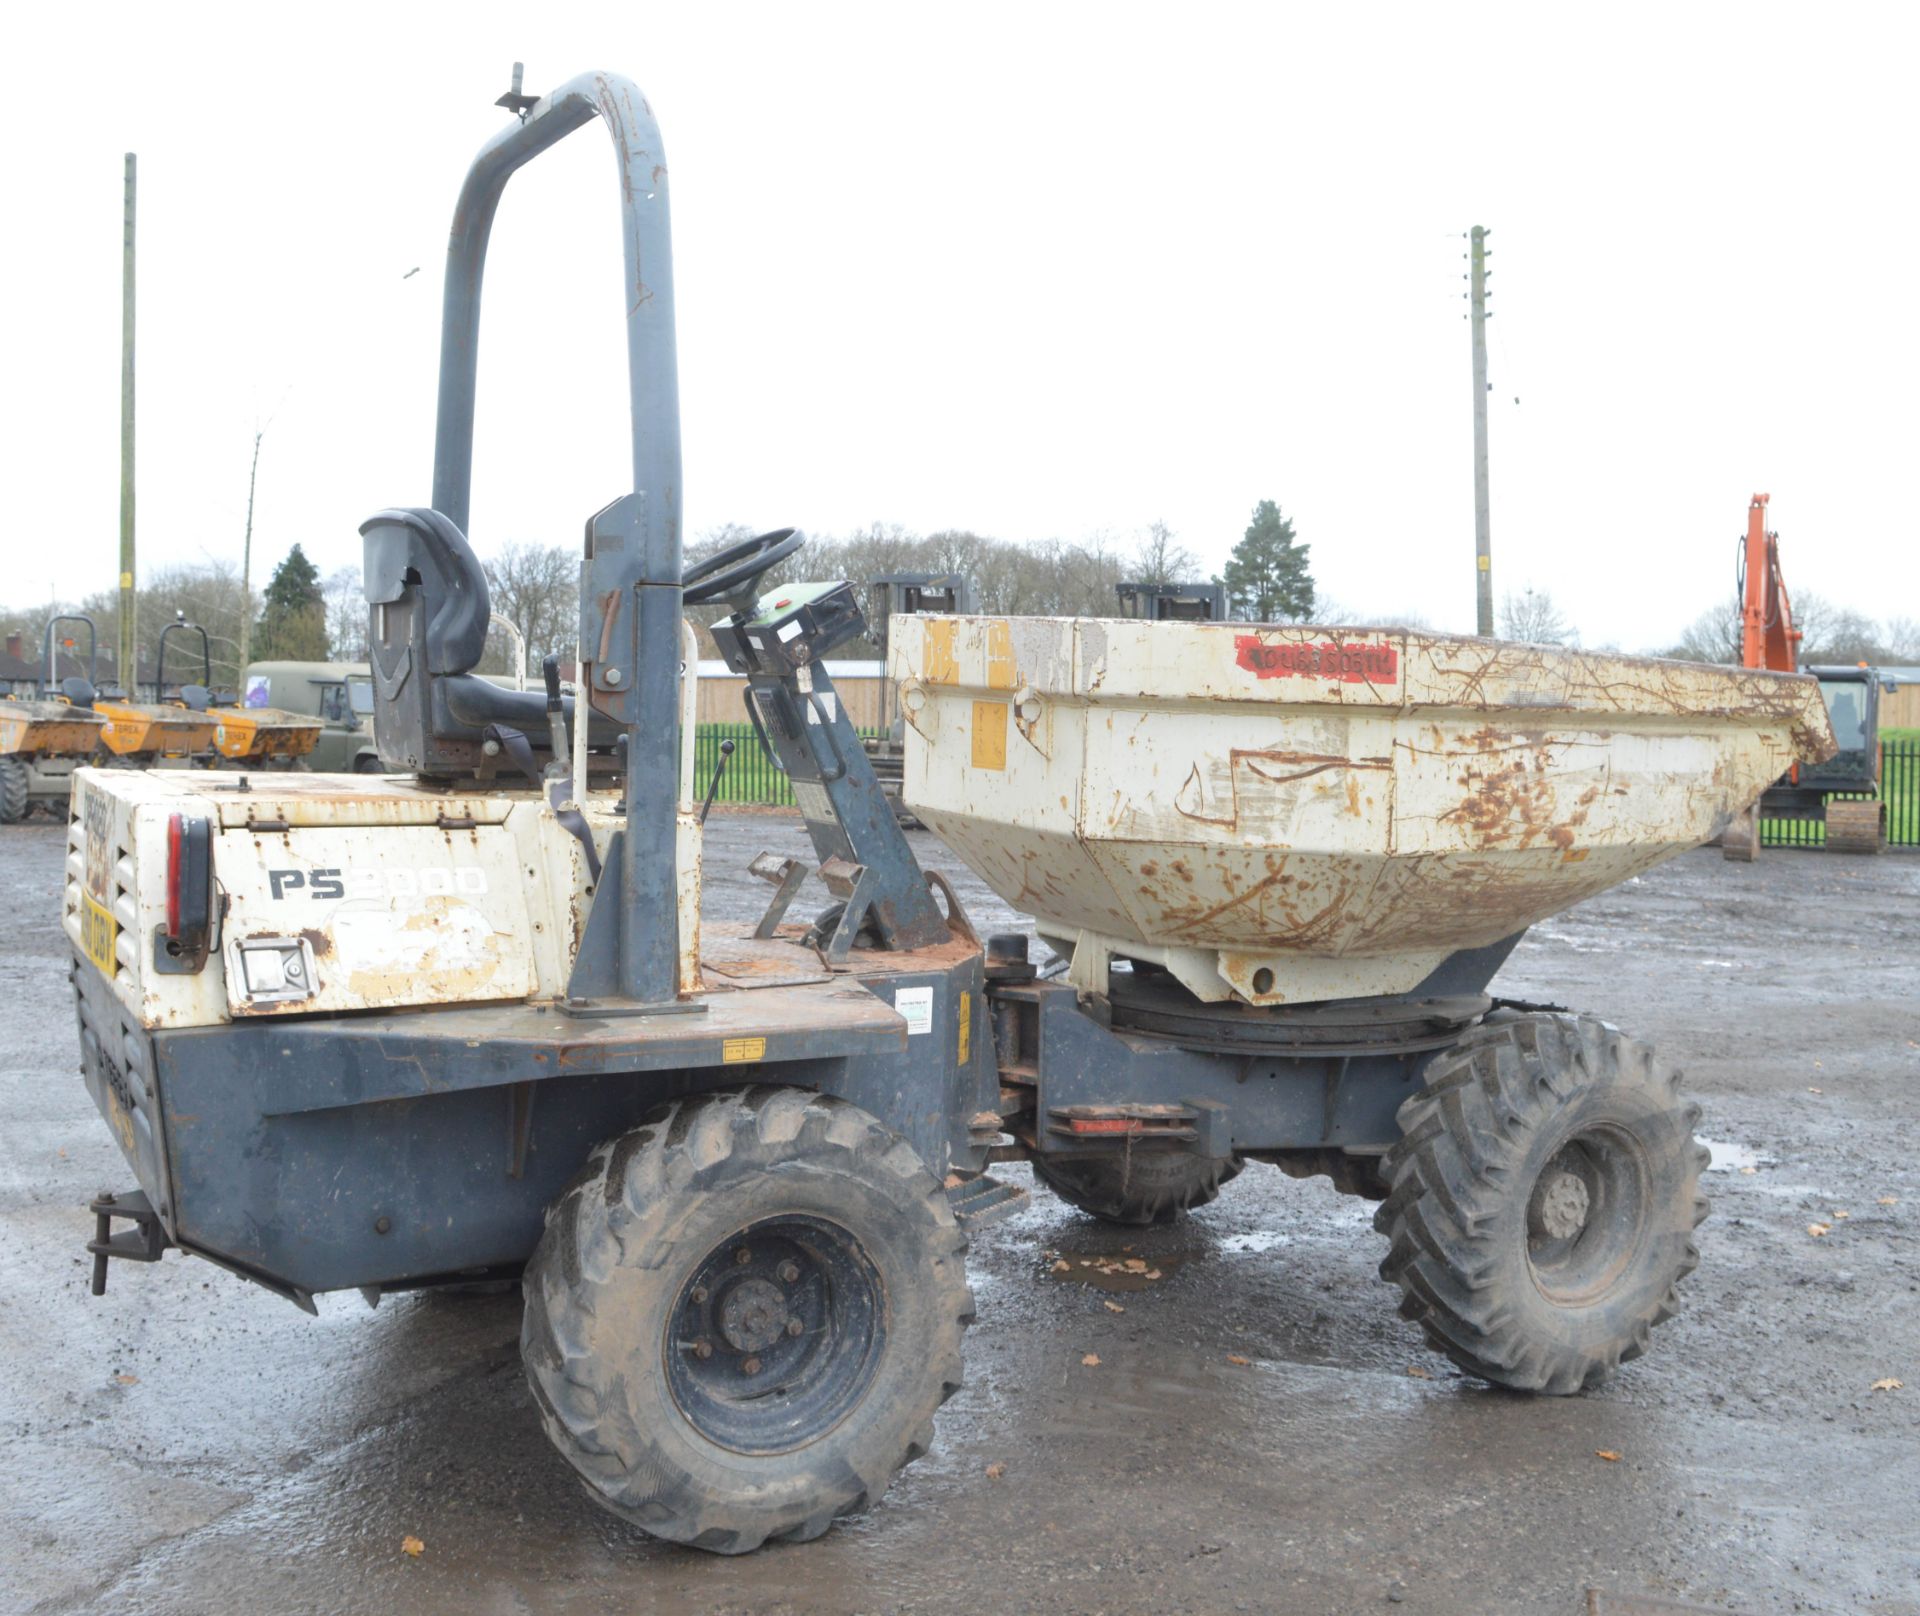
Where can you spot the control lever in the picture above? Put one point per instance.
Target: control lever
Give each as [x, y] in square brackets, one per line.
[556, 713]
[713, 785]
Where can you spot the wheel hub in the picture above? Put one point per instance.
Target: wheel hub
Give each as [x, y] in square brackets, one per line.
[776, 1335]
[1587, 1215]
[1564, 1202]
[753, 1316]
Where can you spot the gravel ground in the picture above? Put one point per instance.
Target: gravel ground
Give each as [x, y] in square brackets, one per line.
[192, 1444]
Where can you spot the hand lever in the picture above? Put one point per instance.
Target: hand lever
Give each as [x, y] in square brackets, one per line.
[713, 785]
[556, 713]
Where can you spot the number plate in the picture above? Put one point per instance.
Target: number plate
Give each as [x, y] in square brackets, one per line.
[98, 931]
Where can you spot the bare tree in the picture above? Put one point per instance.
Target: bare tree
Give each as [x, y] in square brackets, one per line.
[1713, 636]
[1902, 638]
[1532, 616]
[346, 616]
[1845, 636]
[537, 586]
[1159, 558]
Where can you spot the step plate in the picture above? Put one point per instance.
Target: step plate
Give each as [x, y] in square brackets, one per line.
[981, 1200]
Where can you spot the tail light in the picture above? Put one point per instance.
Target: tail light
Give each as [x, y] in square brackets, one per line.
[184, 939]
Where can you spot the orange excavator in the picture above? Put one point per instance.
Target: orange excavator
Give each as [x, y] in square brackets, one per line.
[1769, 640]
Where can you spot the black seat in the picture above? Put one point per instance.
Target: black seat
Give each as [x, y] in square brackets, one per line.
[79, 691]
[430, 611]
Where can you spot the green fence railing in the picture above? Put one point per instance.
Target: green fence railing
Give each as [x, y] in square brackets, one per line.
[751, 776]
[1899, 790]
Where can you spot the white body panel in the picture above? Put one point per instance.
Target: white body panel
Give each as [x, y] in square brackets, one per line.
[391, 895]
[1294, 814]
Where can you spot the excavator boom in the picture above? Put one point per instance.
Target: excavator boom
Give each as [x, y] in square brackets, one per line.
[1768, 638]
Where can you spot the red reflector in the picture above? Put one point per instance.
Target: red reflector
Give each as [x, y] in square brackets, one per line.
[1105, 1124]
[176, 835]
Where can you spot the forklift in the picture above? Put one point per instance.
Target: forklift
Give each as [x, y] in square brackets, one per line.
[462, 1024]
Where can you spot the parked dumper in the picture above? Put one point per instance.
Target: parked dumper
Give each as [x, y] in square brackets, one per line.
[252, 735]
[46, 736]
[463, 1023]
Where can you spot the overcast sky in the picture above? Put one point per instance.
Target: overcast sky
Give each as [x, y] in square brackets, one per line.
[1032, 270]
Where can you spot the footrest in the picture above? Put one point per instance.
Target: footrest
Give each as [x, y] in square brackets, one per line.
[982, 1199]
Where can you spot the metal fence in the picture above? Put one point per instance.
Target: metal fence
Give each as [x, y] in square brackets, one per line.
[751, 776]
[1899, 790]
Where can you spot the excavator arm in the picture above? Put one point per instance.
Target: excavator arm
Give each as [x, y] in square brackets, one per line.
[1768, 638]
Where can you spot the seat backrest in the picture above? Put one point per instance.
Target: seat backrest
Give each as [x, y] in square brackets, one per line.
[79, 691]
[424, 551]
[428, 629]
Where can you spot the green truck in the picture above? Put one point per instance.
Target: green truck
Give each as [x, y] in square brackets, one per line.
[338, 693]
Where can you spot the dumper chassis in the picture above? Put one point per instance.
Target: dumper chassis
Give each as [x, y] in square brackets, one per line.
[464, 1026]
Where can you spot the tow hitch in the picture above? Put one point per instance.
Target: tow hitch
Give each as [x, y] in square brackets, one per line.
[144, 1242]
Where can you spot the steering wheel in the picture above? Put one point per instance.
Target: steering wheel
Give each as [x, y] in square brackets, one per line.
[731, 574]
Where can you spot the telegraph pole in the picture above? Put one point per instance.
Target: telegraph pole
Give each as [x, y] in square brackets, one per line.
[1482, 534]
[246, 566]
[127, 669]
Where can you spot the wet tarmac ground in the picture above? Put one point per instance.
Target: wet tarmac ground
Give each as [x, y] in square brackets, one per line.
[1261, 1431]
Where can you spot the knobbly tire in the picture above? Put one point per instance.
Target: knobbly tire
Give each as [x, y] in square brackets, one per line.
[15, 784]
[743, 1314]
[1543, 1199]
[1137, 1188]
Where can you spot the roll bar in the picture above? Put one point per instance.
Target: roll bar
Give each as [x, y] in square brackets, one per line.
[180, 626]
[630, 583]
[49, 667]
[653, 378]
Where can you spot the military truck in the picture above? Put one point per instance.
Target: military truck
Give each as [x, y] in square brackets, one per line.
[339, 693]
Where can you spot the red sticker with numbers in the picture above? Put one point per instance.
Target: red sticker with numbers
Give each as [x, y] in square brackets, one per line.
[1355, 664]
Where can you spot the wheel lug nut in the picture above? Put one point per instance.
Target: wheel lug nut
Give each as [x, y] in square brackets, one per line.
[751, 1367]
[794, 1327]
[743, 1256]
[703, 1349]
[699, 1296]
[789, 1272]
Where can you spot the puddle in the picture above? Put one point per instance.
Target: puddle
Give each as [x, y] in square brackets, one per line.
[1730, 1158]
[1116, 1270]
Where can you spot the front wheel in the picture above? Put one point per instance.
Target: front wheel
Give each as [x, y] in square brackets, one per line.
[1543, 1198]
[743, 1314]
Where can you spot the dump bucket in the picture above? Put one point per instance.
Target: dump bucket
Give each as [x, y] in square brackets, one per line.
[1286, 815]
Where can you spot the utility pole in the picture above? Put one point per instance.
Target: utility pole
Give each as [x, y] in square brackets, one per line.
[246, 561]
[1482, 534]
[127, 669]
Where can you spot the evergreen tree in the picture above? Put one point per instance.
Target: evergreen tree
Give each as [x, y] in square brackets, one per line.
[1267, 578]
[293, 614]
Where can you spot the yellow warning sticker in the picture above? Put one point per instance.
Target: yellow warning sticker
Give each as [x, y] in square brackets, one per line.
[743, 1049]
[989, 734]
[98, 933]
[966, 1026]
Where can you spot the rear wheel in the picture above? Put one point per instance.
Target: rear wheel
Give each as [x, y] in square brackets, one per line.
[743, 1314]
[1135, 1188]
[1544, 1195]
[15, 784]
